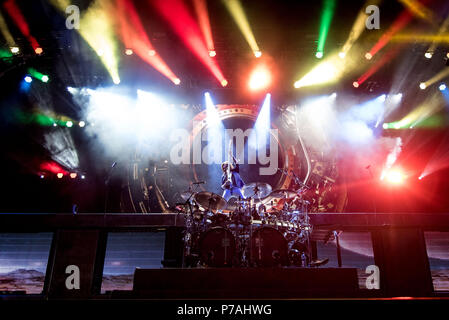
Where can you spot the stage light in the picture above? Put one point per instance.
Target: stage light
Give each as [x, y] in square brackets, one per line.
[447, 55]
[60, 175]
[420, 177]
[442, 87]
[38, 50]
[73, 175]
[236, 10]
[342, 55]
[14, 50]
[28, 79]
[257, 54]
[428, 55]
[325, 23]
[42, 176]
[116, 80]
[355, 84]
[422, 85]
[186, 28]
[224, 83]
[83, 177]
[394, 176]
[258, 138]
[297, 84]
[55, 124]
[152, 53]
[45, 78]
[385, 126]
[204, 24]
[177, 81]
[81, 124]
[129, 52]
[260, 79]
[368, 56]
[69, 124]
[6, 32]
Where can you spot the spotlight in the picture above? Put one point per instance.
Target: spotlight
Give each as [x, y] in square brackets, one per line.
[45, 78]
[395, 176]
[73, 175]
[14, 50]
[260, 79]
[385, 126]
[42, 176]
[257, 54]
[442, 87]
[447, 55]
[177, 81]
[428, 55]
[38, 50]
[152, 53]
[368, 56]
[420, 177]
[60, 175]
[83, 176]
[342, 55]
[355, 84]
[116, 81]
[297, 84]
[28, 79]
[128, 52]
[224, 82]
[55, 125]
[81, 124]
[212, 53]
[319, 54]
[422, 85]
[69, 124]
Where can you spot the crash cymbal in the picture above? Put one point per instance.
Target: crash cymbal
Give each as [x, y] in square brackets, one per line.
[186, 195]
[210, 201]
[256, 190]
[283, 193]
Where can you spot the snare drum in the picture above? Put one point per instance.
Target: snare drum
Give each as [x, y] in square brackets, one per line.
[268, 247]
[217, 247]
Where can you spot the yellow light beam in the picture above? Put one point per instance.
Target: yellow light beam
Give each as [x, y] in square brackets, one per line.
[236, 10]
[413, 37]
[419, 10]
[5, 32]
[439, 76]
[443, 28]
[357, 28]
[96, 27]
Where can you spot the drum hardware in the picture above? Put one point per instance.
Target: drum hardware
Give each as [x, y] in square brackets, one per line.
[243, 233]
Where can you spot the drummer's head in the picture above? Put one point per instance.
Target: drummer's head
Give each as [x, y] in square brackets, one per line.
[224, 166]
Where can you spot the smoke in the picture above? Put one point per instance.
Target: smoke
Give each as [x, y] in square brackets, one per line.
[124, 121]
[330, 127]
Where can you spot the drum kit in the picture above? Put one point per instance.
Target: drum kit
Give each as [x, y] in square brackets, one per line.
[267, 228]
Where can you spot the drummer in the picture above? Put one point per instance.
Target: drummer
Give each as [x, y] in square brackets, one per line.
[233, 187]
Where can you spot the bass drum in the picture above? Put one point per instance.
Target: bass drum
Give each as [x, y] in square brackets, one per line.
[217, 247]
[268, 248]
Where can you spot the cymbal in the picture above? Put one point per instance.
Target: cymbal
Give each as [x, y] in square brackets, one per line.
[256, 190]
[283, 193]
[210, 201]
[186, 195]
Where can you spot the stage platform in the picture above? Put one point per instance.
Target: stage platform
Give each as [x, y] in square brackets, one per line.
[245, 283]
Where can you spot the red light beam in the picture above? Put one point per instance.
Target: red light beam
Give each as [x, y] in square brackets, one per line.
[177, 15]
[134, 36]
[14, 12]
[379, 64]
[204, 22]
